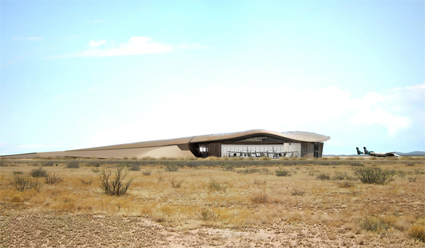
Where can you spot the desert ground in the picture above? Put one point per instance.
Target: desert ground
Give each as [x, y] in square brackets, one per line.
[213, 203]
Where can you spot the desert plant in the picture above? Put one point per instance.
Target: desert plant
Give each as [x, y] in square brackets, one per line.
[114, 186]
[171, 167]
[413, 179]
[176, 183]
[207, 214]
[93, 163]
[265, 158]
[52, 178]
[40, 172]
[48, 163]
[339, 176]
[86, 182]
[22, 183]
[417, 232]
[134, 167]
[401, 173]
[410, 164]
[18, 172]
[346, 184]
[260, 198]
[297, 191]
[372, 223]
[248, 171]
[228, 167]
[73, 165]
[373, 175]
[146, 172]
[323, 177]
[216, 185]
[282, 173]
[260, 182]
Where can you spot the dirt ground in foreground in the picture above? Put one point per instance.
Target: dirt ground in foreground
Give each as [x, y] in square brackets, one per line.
[26, 229]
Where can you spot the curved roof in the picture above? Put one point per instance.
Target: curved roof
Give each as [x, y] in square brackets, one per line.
[290, 136]
[286, 136]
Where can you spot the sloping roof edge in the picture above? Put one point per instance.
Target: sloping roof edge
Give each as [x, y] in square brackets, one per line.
[294, 136]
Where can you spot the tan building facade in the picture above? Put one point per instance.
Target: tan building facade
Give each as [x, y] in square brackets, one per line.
[251, 143]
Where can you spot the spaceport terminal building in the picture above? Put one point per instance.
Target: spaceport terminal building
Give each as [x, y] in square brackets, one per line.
[251, 143]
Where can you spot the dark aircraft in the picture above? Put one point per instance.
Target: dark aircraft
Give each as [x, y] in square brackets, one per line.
[376, 154]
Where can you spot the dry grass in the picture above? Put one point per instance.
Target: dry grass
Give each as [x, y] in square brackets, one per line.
[253, 198]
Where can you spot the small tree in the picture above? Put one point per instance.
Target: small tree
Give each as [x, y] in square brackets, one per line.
[114, 186]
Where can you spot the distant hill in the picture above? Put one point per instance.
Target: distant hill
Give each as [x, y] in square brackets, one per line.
[415, 153]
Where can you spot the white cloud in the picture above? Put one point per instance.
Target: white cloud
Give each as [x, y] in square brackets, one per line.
[135, 46]
[379, 116]
[28, 38]
[97, 43]
[397, 109]
[224, 108]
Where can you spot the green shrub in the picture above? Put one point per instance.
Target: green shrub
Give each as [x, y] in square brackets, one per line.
[217, 186]
[73, 165]
[375, 224]
[134, 167]
[146, 172]
[373, 175]
[40, 172]
[171, 167]
[282, 173]
[323, 177]
[248, 171]
[115, 186]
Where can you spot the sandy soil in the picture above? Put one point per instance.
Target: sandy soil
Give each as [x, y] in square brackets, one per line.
[26, 229]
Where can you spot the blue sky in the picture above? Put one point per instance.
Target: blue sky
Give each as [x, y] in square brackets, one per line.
[77, 74]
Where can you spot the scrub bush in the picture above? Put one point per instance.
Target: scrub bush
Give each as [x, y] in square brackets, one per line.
[282, 173]
[176, 183]
[73, 164]
[22, 183]
[216, 185]
[374, 224]
[52, 178]
[114, 186]
[171, 167]
[373, 175]
[417, 232]
[40, 172]
[323, 177]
